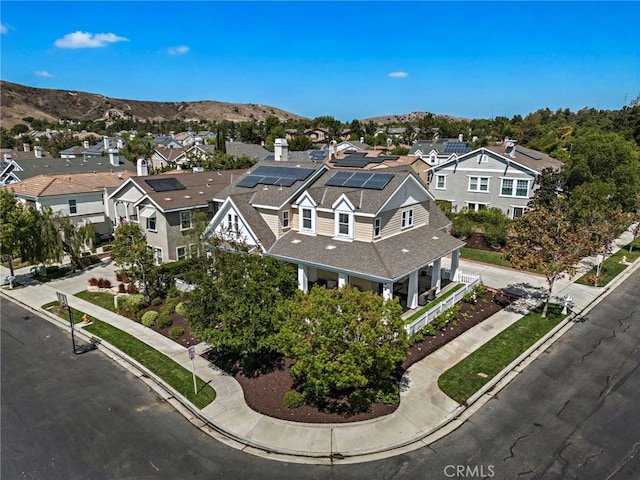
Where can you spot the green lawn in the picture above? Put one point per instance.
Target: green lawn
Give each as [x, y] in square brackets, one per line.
[179, 378]
[468, 376]
[494, 258]
[434, 302]
[611, 267]
[101, 299]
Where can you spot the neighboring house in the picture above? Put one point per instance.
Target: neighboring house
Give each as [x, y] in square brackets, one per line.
[107, 145]
[438, 151]
[317, 134]
[14, 170]
[167, 157]
[166, 142]
[164, 204]
[376, 231]
[235, 149]
[352, 145]
[83, 197]
[502, 176]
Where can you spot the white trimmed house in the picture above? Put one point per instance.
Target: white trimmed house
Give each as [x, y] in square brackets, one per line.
[375, 231]
[502, 176]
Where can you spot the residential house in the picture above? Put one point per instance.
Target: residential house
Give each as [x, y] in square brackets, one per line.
[164, 204]
[167, 157]
[502, 176]
[375, 231]
[438, 151]
[376, 160]
[166, 142]
[83, 197]
[19, 166]
[317, 135]
[352, 145]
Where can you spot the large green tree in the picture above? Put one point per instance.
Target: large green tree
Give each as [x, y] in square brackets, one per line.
[233, 305]
[545, 240]
[131, 252]
[341, 339]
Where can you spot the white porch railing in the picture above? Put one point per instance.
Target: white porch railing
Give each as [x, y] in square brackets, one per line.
[428, 316]
[459, 277]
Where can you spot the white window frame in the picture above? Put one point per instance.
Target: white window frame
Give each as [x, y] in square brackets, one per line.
[183, 221]
[442, 177]
[343, 219]
[181, 257]
[158, 255]
[477, 206]
[513, 211]
[377, 227]
[407, 218]
[311, 219]
[479, 184]
[155, 224]
[286, 219]
[73, 206]
[514, 187]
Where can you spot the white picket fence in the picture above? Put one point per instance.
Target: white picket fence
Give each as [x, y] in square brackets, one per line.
[427, 317]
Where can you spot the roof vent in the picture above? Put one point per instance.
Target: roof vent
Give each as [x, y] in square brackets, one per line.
[330, 247]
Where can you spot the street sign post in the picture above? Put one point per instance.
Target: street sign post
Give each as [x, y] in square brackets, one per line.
[62, 300]
[192, 356]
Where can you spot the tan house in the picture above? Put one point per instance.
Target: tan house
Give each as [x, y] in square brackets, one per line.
[83, 197]
[379, 231]
[164, 204]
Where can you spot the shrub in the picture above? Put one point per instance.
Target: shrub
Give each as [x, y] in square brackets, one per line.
[149, 318]
[156, 301]
[181, 309]
[131, 305]
[131, 288]
[360, 400]
[495, 234]
[175, 333]
[163, 321]
[122, 277]
[293, 399]
[462, 227]
[104, 283]
[469, 297]
[93, 281]
[388, 392]
[122, 288]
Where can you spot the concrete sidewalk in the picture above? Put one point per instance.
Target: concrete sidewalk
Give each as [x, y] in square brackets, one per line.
[425, 413]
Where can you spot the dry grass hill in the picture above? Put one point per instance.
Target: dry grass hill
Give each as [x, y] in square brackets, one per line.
[19, 101]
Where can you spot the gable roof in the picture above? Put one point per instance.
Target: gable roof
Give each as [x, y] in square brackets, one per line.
[185, 190]
[531, 159]
[170, 154]
[32, 167]
[67, 184]
[387, 259]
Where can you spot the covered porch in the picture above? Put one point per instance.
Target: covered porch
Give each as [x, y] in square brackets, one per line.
[413, 289]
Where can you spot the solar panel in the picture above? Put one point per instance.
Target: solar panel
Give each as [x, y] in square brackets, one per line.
[354, 163]
[249, 181]
[317, 154]
[456, 147]
[378, 181]
[528, 153]
[371, 181]
[165, 184]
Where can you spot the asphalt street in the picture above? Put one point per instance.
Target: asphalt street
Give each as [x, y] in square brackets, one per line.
[573, 413]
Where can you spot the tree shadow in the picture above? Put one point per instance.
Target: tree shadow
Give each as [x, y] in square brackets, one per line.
[234, 364]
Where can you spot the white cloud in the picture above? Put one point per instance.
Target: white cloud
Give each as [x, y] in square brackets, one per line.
[3, 28]
[42, 73]
[179, 50]
[88, 40]
[398, 74]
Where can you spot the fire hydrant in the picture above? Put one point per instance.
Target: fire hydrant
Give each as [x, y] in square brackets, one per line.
[85, 318]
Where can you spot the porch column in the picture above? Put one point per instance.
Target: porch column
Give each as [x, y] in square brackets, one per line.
[387, 290]
[435, 275]
[412, 291]
[455, 264]
[303, 278]
[342, 279]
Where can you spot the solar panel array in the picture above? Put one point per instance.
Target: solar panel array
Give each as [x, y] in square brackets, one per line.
[360, 160]
[528, 153]
[317, 155]
[165, 184]
[372, 181]
[273, 175]
[456, 147]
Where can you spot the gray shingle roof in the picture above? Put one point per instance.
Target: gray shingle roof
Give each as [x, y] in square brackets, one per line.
[47, 166]
[389, 259]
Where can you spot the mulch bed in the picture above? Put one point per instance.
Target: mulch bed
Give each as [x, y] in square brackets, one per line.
[264, 392]
[477, 241]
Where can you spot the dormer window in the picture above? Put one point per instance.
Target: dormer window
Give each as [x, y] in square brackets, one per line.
[307, 220]
[407, 218]
[377, 229]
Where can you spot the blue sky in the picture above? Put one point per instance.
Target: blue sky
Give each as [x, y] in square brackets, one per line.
[347, 59]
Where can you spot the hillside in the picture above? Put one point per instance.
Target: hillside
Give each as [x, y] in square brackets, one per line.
[19, 101]
[407, 118]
